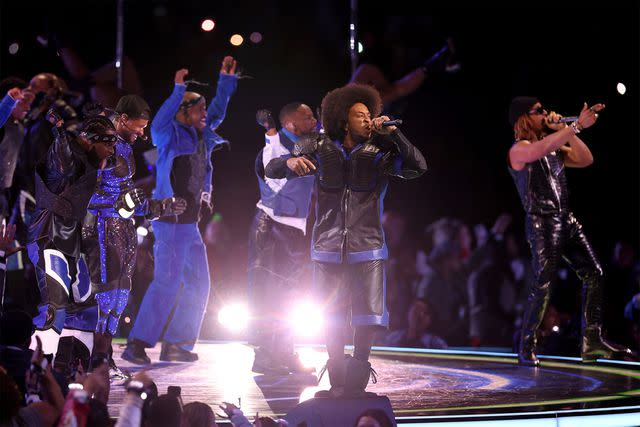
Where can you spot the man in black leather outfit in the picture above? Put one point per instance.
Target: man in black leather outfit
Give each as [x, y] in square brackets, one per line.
[543, 148]
[352, 162]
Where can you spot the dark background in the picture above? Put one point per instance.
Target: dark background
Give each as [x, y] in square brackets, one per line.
[562, 53]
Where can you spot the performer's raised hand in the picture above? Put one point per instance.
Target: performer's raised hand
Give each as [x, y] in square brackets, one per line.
[589, 115]
[15, 93]
[228, 65]
[265, 119]
[180, 75]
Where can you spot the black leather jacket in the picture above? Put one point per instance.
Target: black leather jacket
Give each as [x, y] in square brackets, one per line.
[64, 186]
[351, 187]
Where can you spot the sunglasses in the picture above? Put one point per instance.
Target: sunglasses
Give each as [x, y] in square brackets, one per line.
[539, 110]
[96, 137]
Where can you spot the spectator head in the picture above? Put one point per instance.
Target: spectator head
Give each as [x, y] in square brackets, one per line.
[16, 328]
[419, 319]
[394, 224]
[98, 414]
[165, 411]
[373, 418]
[623, 255]
[198, 414]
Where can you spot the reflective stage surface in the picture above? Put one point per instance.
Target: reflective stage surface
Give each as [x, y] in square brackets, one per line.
[423, 385]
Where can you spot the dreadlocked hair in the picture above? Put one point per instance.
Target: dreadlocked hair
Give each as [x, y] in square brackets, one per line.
[525, 129]
[97, 124]
[336, 105]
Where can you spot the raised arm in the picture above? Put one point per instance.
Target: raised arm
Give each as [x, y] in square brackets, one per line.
[60, 159]
[8, 103]
[523, 152]
[167, 112]
[227, 84]
[409, 162]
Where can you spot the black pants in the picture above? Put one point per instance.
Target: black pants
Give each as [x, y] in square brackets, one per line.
[277, 268]
[552, 238]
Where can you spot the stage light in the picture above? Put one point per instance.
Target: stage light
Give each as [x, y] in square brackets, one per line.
[127, 319]
[207, 25]
[13, 48]
[555, 328]
[622, 89]
[360, 47]
[234, 317]
[255, 37]
[117, 64]
[142, 231]
[236, 40]
[306, 319]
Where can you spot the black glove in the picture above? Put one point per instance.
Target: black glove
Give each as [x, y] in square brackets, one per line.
[265, 119]
[129, 201]
[54, 118]
[169, 206]
[173, 206]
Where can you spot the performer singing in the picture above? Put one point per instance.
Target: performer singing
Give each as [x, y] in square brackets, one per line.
[543, 148]
[352, 164]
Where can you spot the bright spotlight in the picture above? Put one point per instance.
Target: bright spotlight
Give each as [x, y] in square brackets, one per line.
[360, 47]
[306, 319]
[255, 37]
[621, 88]
[207, 25]
[127, 319]
[13, 48]
[555, 328]
[234, 317]
[142, 231]
[236, 40]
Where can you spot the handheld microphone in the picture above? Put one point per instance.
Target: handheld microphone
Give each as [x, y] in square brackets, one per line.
[568, 119]
[396, 122]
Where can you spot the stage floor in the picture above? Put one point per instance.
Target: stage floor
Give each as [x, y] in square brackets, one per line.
[422, 385]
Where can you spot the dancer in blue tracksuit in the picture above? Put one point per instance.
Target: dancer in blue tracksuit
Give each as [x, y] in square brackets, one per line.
[183, 131]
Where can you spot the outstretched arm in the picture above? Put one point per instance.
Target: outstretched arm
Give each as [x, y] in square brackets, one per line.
[167, 112]
[389, 91]
[227, 84]
[523, 152]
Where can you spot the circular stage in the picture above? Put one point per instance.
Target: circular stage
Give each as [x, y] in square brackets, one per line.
[434, 387]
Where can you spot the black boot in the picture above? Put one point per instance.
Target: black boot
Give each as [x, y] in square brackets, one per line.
[134, 353]
[337, 370]
[174, 353]
[527, 353]
[264, 362]
[593, 344]
[537, 304]
[357, 378]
